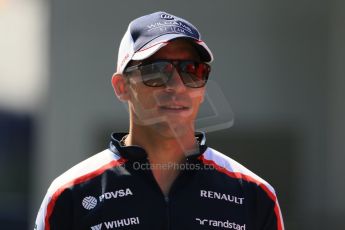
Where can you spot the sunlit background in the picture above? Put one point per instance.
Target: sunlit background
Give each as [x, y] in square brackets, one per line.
[279, 65]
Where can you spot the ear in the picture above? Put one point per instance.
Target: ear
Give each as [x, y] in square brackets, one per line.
[119, 84]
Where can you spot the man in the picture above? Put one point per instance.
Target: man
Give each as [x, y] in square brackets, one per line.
[161, 174]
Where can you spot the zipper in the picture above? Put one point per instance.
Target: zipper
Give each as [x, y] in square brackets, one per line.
[166, 198]
[171, 191]
[167, 213]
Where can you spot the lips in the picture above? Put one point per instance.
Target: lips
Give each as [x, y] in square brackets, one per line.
[174, 107]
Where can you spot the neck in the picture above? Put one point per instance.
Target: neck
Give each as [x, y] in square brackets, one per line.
[164, 145]
[161, 148]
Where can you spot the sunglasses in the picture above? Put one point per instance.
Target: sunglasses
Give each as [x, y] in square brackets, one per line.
[157, 73]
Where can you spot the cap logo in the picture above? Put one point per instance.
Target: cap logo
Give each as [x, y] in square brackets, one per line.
[167, 17]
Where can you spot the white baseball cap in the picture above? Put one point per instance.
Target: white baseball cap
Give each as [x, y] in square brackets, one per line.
[147, 34]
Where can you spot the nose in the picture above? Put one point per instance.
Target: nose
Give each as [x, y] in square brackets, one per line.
[175, 83]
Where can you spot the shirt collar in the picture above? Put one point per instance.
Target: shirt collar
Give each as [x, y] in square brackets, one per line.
[134, 152]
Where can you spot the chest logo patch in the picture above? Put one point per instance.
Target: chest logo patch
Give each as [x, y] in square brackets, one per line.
[115, 194]
[221, 224]
[221, 196]
[120, 223]
[90, 202]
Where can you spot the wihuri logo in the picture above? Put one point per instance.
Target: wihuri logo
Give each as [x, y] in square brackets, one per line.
[97, 227]
[120, 223]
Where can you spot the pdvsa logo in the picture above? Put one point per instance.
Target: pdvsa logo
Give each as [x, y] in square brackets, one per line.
[167, 17]
[90, 202]
[115, 194]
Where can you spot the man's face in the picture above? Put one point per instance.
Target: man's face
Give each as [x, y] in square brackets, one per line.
[172, 108]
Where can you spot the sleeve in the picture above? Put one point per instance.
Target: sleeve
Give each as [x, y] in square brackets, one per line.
[269, 216]
[56, 211]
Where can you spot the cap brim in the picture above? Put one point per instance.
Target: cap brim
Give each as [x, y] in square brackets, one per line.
[161, 41]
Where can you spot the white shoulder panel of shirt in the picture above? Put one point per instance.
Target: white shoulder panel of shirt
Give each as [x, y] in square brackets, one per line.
[233, 166]
[85, 167]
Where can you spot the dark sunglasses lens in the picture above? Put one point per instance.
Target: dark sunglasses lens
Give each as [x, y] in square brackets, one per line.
[194, 74]
[156, 74]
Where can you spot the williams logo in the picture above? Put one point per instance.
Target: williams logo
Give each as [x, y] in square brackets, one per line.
[90, 202]
[167, 17]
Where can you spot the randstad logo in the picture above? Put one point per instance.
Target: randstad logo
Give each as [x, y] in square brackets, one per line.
[90, 202]
[167, 17]
[221, 224]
